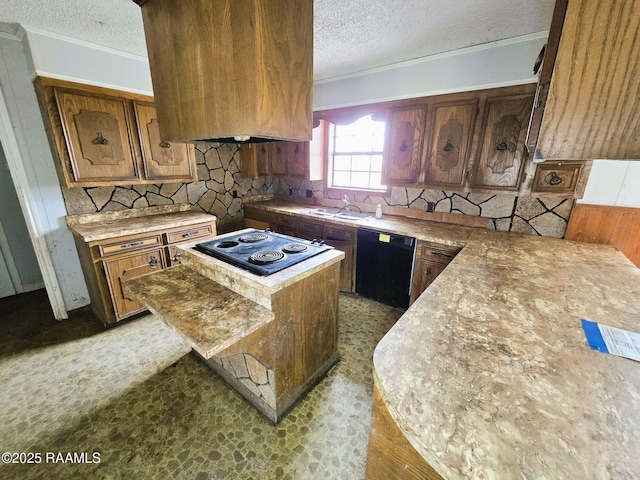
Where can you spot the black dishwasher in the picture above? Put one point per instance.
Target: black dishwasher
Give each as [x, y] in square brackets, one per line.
[384, 264]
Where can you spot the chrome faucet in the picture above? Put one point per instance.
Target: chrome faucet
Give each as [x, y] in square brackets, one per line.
[346, 202]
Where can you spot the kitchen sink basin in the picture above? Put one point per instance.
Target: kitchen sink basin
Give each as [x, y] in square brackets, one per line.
[325, 212]
[339, 213]
[353, 215]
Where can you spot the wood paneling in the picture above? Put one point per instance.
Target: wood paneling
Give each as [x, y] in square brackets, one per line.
[231, 67]
[390, 456]
[592, 108]
[617, 226]
[403, 153]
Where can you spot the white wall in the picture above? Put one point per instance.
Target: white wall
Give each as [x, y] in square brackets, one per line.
[497, 64]
[43, 185]
[613, 182]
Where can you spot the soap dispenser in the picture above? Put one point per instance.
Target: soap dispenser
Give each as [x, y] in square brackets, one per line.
[379, 211]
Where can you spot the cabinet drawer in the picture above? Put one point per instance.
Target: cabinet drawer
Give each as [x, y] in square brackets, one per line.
[309, 229]
[129, 245]
[254, 213]
[556, 177]
[436, 253]
[333, 232]
[286, 220]
[188, 233]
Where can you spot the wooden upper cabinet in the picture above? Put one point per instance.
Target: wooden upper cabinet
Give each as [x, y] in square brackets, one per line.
[501, 151]
[97, 133]
[592, 110]
[403, 149]
[301, 160]
[104, 137]
[162, 160]
[228, 68]
[297, 159]
[449, 142]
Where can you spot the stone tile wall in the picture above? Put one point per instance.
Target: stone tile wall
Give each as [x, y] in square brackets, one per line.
[545, 216]
[219, 177]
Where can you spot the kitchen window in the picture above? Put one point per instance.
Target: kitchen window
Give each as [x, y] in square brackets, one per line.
[355, 153]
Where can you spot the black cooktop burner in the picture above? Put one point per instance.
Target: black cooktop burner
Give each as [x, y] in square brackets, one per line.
[294, 248]
[262, 252]
[266, 256]
[253, 237]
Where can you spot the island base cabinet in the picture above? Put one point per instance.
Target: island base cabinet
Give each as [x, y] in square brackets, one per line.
[390, 456]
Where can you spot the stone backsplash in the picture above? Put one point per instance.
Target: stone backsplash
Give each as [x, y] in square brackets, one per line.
[219, 177]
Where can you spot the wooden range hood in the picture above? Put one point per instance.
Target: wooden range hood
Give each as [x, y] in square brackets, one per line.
[231, 70]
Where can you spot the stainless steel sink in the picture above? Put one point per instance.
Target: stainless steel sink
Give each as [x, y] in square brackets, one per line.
[353, 215]
[338, 213]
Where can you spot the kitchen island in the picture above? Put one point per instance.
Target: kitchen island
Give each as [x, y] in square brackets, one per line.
[489, 374]
[272, 338]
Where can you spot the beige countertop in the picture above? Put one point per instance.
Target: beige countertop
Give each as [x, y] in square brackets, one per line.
[489, 375]
[105, 225]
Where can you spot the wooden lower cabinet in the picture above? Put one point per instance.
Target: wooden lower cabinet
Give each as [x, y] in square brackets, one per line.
[119, 269]
[107, 263]
[431, 260]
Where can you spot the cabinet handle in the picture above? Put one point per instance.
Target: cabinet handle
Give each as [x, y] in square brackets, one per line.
[100, 140]
[553, 179]
[403, 146]
[177, 257]
[188, 234]
[132, 244]
[501, 146]
[428, 272]
[449, 146]
[440, 254]
[165, 145]
[153, 261]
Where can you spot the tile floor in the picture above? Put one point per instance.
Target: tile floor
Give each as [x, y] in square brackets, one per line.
[150, 410]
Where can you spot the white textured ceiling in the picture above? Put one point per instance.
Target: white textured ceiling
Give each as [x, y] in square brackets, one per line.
[350, 35]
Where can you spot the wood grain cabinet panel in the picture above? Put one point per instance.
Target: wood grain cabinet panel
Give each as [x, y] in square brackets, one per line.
[297, 159]
[449, 142]
[131, 266]
[97, 132]
[104, 137]
[501, 152]
[162, 160]
[403, 151]
[556, 177]
[431, 260]
[591, 110]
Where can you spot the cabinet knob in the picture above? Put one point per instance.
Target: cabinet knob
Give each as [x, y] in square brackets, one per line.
[177, 257]
[153, 261]
[165, 145]
[553, 179]
[428, 272]
[501, 146]
[403, 146]
[100, 140]
[449, 146]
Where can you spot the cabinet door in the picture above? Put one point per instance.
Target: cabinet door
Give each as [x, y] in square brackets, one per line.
[297, 159]
[347, 265]
[403, 151]
[162, 160]
[424, 274]
[278, 159]
[97, 131]
[131, 266]
[501, 151]
[449, 142]
[254, 160]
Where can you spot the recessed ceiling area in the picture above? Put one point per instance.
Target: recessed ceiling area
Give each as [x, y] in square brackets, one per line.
[349, 36]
